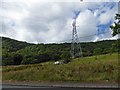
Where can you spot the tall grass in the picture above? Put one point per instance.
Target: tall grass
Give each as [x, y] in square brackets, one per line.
[104, 69]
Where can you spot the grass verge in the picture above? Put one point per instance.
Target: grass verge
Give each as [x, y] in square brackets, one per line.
[104, 69]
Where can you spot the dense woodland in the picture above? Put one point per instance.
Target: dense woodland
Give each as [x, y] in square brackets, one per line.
[16, 52]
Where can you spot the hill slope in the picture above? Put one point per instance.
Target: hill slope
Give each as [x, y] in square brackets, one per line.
[15, 52]
[13, 45]
[104, 69]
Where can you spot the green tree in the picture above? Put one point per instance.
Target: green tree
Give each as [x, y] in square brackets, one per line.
[114, 48]
[17, 59]
[66, 56]
[116, 27]
[97, 51]
[7, 59]
[28, 59]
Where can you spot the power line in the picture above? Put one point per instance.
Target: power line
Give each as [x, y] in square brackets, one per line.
[85, 36]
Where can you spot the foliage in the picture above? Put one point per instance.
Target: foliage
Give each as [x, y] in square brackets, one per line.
[116, 27]
[66, 57]
[97, 51]
[17, 59]
[16, 52]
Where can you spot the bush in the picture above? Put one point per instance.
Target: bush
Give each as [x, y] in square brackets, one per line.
[17, 58]
[7, 59]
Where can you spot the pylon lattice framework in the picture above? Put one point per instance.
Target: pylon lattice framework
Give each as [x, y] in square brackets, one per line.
[76, 50]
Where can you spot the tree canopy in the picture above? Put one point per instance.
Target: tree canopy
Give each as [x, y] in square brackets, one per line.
[15, 52]
[116, 26]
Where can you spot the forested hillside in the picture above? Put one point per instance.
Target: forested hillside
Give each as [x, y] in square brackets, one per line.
[16, 52]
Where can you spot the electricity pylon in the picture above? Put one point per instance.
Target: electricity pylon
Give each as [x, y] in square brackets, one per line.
[76, 50]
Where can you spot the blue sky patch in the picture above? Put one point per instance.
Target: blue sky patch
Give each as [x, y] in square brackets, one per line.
[102, 28]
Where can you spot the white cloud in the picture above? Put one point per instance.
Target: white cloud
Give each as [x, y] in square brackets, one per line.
[52, 22]
[32, 1]
[108, 15]
[87, 23]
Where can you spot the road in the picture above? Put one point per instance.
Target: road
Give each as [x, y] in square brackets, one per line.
[28, 87]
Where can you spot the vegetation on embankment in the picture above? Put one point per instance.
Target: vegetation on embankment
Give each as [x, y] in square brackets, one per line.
[89, 69]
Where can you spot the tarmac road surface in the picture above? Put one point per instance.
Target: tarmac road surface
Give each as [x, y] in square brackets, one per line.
[58, 87]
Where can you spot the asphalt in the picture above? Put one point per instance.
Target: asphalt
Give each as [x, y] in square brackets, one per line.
[60, 86]
[13, 87]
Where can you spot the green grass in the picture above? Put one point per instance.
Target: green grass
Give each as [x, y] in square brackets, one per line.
[104, 69]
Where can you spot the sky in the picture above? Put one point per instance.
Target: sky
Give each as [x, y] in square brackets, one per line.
[50, 21]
